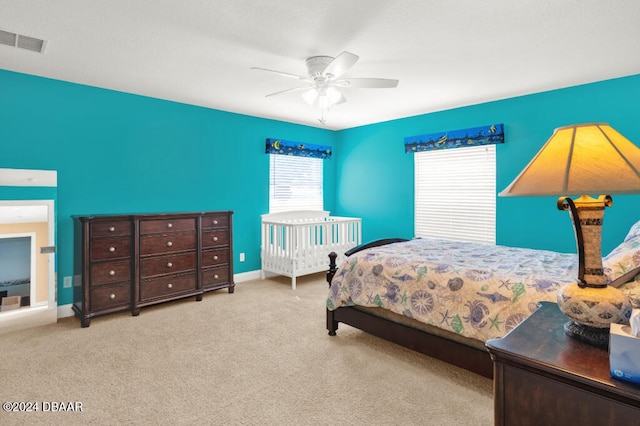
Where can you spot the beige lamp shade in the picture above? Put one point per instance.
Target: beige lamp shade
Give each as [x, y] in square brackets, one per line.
[581, 159]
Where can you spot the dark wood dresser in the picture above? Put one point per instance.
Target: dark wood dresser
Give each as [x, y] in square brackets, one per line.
[544, 377]
[125, 262]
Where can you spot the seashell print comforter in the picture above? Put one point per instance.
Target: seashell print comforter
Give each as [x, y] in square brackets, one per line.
[480, 291]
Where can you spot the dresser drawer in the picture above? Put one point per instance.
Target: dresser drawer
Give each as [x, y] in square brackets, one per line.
[215, 221]
[110, 272]
[215, 257]
[110, 248]
[167, 264]
[214, 276]
[215, 238]
[166, 286]
[167, 243]
[167, 225]
[110, 228]
[111, 296]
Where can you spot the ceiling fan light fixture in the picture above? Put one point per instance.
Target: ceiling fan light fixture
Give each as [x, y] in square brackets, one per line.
[333, 95]
[324, 102]
[310, 96]
[324, 97]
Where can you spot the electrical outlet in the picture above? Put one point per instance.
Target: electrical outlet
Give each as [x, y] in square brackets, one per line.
[241, 257]
[67, 283]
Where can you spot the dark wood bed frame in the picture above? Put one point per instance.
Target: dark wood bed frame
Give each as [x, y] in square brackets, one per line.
[473, 359]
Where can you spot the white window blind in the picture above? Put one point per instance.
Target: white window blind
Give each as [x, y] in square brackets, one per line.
[455, 194]
[295, 183]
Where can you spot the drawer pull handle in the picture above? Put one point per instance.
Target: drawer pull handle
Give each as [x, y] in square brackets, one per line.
[169, 225]
[112, 296]
[215, 257]
[215, 276]
[215, 238]
[112, 273]
[112, 249]
[169, 264]
[169, 243]
[111, 229]
[169, 285]
[215, 222]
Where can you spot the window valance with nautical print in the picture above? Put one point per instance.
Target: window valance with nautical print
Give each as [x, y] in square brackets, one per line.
[485, 135]
[298, 149]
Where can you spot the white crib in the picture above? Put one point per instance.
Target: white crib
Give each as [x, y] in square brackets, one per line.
[297, 243]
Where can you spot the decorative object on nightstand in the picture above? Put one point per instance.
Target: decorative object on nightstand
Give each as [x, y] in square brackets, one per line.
[580, 159]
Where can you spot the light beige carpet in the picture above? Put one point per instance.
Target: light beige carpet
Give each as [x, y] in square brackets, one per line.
[260, 356]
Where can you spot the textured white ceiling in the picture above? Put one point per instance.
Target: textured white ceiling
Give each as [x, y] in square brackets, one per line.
[446, 53]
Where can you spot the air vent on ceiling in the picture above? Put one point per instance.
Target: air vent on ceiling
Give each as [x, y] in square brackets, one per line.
[22, 41]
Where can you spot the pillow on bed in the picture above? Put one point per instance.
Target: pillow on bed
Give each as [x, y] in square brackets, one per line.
[632, 291]
[634, 231]
[623, 263]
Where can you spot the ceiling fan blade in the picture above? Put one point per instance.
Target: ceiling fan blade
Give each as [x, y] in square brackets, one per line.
[293, 89]
[341, 64]
[286, 74]
[371, 83]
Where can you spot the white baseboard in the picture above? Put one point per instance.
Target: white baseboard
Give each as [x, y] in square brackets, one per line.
[65, 310]
[246, 276]
[23, 318]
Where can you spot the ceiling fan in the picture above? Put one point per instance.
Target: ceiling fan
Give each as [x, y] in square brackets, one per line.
[323, 83]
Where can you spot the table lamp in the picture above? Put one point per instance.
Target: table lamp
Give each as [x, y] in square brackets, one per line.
[583, 160]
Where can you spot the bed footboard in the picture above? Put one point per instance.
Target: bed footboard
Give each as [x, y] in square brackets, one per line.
[470, 358]
[332, 324]
[376, 243]
[333, 267]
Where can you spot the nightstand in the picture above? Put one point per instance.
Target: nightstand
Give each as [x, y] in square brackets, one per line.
[544, 377]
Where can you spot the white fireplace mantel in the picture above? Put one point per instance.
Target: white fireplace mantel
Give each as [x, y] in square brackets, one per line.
[19, 212]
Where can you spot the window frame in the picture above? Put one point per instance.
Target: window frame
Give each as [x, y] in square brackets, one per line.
[305, 179]
[455, 194]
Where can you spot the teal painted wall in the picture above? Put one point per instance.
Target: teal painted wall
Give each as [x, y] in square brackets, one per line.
[28, 193]
[122, 153]
[375, 177]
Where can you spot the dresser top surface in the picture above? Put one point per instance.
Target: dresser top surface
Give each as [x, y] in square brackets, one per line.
[128, 216]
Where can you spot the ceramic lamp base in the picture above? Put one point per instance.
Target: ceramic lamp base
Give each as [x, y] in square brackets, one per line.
[598, 337]
[592, 311]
